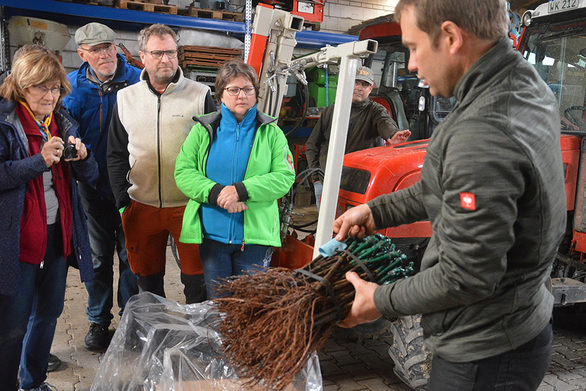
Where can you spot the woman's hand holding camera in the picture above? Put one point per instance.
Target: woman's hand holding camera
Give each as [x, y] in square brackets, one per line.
[79, 147]
[53, 150]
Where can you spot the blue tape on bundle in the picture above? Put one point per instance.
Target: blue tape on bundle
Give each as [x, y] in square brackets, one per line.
[331, 247]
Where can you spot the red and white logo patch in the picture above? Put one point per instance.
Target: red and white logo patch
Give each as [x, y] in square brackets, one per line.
[468, 201]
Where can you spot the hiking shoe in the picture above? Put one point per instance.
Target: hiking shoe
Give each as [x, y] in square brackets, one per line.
[54, 363]
[43, 387]
[97, 337]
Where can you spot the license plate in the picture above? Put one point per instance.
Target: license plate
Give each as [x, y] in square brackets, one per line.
[304, 7]
[562, 5]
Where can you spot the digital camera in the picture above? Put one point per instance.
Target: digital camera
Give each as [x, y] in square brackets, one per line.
[69, 151]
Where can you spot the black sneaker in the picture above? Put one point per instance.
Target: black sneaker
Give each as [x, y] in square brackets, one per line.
[43, 387]
[54, 363]
[97, 337]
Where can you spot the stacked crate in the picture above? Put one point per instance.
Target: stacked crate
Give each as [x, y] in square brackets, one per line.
[201, 63]
[214, 14]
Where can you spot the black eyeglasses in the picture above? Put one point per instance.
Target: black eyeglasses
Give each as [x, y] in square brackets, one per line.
[235, 91]
[158, 54]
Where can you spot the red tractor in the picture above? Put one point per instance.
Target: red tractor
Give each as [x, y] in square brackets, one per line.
[553, 39]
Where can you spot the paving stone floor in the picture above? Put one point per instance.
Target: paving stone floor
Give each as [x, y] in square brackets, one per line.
[347, 364]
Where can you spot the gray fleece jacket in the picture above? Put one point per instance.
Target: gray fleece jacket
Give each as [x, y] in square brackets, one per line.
[492, 186]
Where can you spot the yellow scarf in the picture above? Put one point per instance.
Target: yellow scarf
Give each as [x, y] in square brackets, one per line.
[43, 125]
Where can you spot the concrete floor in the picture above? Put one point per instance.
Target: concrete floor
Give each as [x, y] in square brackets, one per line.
[346, 364]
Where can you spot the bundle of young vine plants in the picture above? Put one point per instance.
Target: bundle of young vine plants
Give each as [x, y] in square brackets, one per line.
[275, 319]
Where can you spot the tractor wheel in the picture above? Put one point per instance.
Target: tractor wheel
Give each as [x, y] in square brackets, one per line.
[412, 359]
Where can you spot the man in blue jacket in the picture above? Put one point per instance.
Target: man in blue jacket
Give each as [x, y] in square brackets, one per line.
[95, 85]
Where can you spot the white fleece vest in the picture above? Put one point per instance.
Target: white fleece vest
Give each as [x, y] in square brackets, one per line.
[157, 127]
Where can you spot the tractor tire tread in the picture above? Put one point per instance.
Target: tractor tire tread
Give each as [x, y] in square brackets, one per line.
[412, 359]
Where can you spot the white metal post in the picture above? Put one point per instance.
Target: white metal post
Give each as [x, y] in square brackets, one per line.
[336, 148]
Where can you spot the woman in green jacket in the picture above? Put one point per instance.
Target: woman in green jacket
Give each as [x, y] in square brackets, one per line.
[233, 166]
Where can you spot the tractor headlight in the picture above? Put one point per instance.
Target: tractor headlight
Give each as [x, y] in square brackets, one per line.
[526, 18]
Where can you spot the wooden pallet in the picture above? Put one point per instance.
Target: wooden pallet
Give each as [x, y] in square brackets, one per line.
[148, 7]
[215, 64]
[204, 61]
[194, 49]
[206, 56]
[214, 14]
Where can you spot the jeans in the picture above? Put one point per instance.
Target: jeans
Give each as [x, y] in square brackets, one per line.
[318, 187]
[221, 260]
[521, 369]
[106, 235]
[29, 318]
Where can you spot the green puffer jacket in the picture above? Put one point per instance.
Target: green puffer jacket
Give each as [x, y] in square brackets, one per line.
[492, 186]
[269, 176]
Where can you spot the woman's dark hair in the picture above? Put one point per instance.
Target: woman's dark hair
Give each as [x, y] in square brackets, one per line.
[229, 71]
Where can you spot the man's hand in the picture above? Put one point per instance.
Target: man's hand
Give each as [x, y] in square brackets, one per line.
[363, 309]
[398, 138]
[227, 196]
[357, 221]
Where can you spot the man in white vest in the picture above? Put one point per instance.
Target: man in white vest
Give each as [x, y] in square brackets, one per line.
[150, 122]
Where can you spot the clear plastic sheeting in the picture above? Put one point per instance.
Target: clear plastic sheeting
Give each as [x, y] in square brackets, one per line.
[161, 345]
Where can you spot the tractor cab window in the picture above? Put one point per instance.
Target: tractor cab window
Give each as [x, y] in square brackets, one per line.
[559, 56]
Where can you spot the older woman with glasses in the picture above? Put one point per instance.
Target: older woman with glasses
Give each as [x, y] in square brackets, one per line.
[42, 222]
[233, 166]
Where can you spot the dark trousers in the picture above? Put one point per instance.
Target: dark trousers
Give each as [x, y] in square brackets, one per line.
[106, 236]
[29, 318]
[521, 369]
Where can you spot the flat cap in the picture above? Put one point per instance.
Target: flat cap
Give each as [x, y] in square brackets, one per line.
[365, 74]
[94, 34]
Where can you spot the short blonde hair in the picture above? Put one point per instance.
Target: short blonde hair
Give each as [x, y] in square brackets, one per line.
[232, 69]
[485, 19]
[33, 65]
[158, 30]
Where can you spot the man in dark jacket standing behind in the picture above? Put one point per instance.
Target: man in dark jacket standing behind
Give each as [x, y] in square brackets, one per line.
[95, 85]
[369, 122]
[492, 186]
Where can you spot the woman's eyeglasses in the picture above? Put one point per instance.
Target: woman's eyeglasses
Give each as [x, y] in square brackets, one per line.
[235, 91]
[42, 90]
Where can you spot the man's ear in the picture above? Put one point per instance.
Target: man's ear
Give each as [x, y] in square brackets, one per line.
[141, 55]
[453, 36]
[82, 54]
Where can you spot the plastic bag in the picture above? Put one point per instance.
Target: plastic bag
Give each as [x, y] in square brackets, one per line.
[161, 345]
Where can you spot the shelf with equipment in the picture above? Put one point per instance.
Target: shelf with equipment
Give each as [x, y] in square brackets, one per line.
[78, 14]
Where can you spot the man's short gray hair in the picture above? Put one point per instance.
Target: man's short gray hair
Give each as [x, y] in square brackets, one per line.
[485, 19]
[158, 29]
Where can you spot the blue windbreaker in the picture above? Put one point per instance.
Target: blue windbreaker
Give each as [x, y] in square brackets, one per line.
[92, 106]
